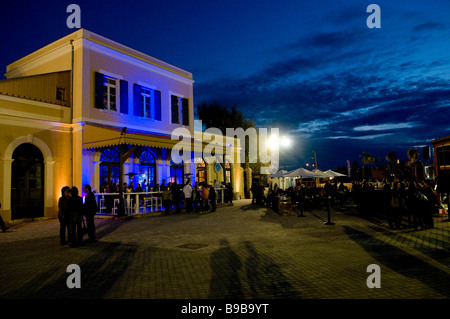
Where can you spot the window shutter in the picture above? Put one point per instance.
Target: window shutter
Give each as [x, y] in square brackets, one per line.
[157, 105]
[175, 111]
[99, 79]
[185, 104]
[124, 96]
[137, 100]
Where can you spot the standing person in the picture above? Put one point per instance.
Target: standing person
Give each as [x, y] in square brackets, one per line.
[89, 210]
[229, 192]
[187, 190]
[395, 204]
[63, 215]
[204, 197]
[167, 199]
[212, 198]
[76, 216]
[176, 196]
[430, 205]
[196, 198]
[2, 223]
[254, 192]
[144, 185]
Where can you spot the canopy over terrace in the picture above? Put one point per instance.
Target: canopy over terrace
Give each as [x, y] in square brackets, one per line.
[303, 173]
[286, 179]
[331, 173]
[127, 141]
[100, 136]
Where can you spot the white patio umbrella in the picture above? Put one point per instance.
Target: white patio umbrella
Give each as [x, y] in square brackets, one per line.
[331, 173]
[322, 174]
[302, 172]
[281, 173]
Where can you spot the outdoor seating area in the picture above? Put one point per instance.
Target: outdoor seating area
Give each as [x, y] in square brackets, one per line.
[139, 202]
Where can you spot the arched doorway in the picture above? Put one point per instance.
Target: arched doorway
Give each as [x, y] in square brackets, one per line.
[147, 170]
[200, 167]
[109, 169]
[176, 173]
[27, 182]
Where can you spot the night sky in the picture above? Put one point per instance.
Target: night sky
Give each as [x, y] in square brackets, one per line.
[313, 69]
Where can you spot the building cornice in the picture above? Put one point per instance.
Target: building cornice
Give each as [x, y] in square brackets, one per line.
[86, 39]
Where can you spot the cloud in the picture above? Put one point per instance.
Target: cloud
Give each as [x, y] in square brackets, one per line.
[346, 86]
[428, 26]
[385, 127]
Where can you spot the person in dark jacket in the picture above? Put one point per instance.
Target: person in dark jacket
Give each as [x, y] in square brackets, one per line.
[89, 210]
[63, 215]
[2, 223]
[176, 196]
[212, 198]
[76, 216]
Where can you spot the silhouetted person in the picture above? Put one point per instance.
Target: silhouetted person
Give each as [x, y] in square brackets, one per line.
[63, 215]
[90, 209]
[212, 198]
[176, 196]
[2, 223]
[76, 216]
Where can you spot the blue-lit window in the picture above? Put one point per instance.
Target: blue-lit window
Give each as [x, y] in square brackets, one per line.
[179, 110]
[148, 103]
[110, 93]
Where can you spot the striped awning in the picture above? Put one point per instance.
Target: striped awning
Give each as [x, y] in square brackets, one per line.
[100, 136]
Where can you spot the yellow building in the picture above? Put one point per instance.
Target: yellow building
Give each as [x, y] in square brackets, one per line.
[71, 108]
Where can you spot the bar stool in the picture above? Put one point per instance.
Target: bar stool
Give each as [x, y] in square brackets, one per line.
[102, 205]
[116, 204]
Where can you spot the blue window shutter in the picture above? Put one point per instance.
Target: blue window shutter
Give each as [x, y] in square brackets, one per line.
[99, 79]
[137, 100]
[174, 109]
[185, 110]
[124, 96]
[157, 105]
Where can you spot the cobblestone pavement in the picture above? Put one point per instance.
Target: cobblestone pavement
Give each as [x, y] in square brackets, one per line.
[239, 251]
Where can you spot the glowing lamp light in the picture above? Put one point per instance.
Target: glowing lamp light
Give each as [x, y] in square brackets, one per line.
[285, 141]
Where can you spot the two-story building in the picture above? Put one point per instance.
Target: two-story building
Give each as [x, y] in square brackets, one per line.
[71, 109]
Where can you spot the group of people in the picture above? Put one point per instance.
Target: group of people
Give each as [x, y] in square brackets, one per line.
[197, 199]
[71, 214]
[414, 200]
[410, 201]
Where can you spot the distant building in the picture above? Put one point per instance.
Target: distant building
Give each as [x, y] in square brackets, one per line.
[64, 109]
[441, 147]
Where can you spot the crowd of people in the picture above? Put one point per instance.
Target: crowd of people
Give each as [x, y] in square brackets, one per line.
[71, 214]
[404, 203]
[413, 200]
[200, 198]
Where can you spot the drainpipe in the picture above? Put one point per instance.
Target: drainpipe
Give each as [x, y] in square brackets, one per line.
[71, 116]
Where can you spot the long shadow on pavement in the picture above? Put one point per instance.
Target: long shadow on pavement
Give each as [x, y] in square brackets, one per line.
[99, 272]
[225, 265]
[265, 277]
[401, 262]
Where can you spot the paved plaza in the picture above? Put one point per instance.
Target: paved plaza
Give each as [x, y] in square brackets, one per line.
[238, 252]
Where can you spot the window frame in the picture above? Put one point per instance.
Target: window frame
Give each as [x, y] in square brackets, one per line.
[109, 85]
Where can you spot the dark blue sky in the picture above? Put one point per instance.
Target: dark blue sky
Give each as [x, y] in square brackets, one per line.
[313, 69]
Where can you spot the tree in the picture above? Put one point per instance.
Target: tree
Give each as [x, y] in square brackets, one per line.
[223, 117]
[415, 164]
[391, 157]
